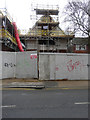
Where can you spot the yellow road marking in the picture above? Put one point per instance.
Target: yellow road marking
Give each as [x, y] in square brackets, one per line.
[63, 88]
[17, 89]
[37, 89]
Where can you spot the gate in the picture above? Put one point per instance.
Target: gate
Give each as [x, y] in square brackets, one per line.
[26, 64]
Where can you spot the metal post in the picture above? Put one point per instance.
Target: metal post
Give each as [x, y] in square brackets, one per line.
[38, 58]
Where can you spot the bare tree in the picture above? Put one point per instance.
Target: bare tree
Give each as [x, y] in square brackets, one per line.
[78, 13]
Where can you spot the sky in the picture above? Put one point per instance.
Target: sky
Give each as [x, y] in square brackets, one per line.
[20, 11]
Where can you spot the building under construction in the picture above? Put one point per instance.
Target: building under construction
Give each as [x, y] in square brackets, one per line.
[8, 41]
[46, 35]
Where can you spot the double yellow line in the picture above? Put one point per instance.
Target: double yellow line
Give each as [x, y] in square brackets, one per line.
[16, 89]
[66, 88]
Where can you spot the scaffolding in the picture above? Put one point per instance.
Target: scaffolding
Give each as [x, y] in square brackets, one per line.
[46, 19]
[46, 35]
[7, 30]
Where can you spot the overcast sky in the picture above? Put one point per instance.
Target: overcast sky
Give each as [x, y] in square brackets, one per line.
[20, 10]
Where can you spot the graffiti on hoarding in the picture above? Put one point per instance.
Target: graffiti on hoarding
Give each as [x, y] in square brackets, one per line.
[9, 65]
[74, 65]
[57, 69]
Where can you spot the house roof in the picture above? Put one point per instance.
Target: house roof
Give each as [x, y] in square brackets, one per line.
[79, 41]
[56, 31]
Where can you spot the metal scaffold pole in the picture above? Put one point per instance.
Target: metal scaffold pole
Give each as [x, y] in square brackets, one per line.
[46, 19]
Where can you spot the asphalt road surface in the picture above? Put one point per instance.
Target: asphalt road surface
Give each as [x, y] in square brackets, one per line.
[50, 103]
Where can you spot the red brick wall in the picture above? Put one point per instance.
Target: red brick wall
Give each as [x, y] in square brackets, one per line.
[80, 51]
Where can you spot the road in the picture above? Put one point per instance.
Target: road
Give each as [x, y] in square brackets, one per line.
[46, 103]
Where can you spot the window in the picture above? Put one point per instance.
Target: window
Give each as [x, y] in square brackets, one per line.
[80, 47]
[83, 47]
[77, 47]
[3, 23]
[45, 27]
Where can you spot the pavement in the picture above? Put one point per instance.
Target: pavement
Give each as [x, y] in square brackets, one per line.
[40, 84]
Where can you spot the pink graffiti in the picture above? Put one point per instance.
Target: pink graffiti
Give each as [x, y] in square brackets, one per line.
[33, 56]
[72, 66]
[57, 68]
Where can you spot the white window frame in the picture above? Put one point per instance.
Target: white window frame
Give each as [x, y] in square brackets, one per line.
[77, 47]
[80, 47]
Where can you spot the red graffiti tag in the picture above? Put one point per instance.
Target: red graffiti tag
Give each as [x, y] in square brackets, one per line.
[57, 68]
[71, 66]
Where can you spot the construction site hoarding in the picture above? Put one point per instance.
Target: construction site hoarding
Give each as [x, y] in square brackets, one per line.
[63, 66]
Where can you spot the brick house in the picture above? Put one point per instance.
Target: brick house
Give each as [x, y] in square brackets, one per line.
[78, 45]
